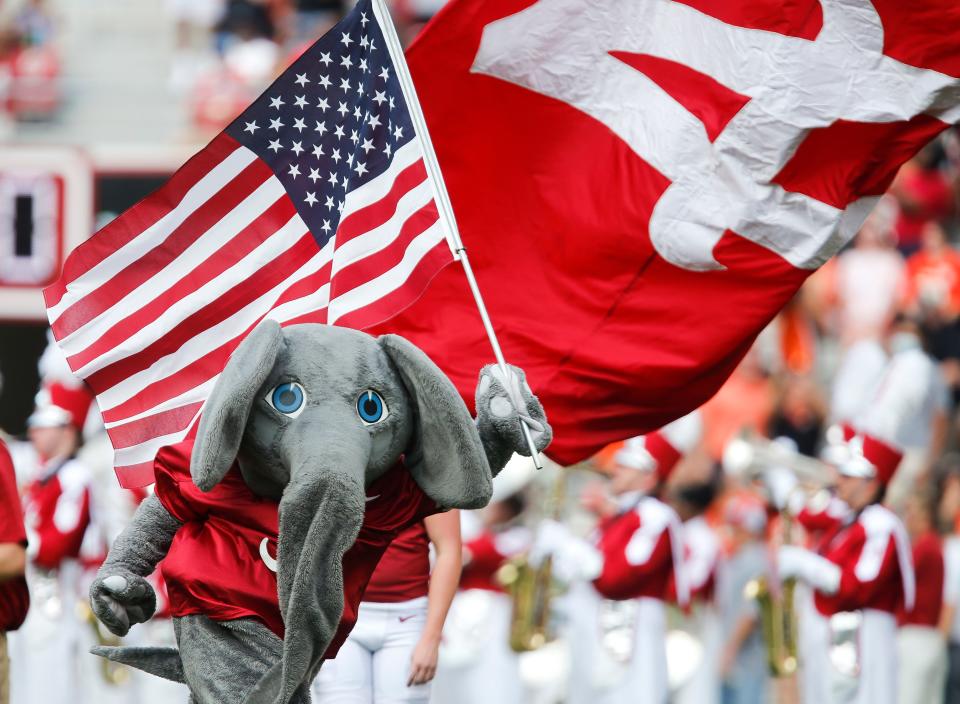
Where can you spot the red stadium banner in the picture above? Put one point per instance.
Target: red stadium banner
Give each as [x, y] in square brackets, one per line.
[642, 185]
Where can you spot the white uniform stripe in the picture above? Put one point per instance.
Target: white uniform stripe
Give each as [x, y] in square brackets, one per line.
[205, 247]
[208, 340]
[271, 248]
[378, 188]
[378, 238]
[390, 280]
[197, 196]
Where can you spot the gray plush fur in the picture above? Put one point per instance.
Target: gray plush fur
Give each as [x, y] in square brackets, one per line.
[318, 465]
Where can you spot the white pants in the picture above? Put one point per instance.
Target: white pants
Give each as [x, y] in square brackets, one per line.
[877, 683]
[477, 665]
[373, 665]
[646, 679]
[923, 665]
[813, 646]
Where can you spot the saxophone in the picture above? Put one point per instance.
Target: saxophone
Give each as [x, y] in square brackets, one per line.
[113, 673]
[531, 588]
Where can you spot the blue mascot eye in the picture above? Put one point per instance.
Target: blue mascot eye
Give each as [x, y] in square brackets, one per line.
[371, 408]
[288, 398]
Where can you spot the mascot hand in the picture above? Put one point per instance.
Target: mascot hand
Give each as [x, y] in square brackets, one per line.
[504, 400]
[122, 599]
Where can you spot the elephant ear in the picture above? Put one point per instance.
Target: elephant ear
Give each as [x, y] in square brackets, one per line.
[447, 459]
[226, 411]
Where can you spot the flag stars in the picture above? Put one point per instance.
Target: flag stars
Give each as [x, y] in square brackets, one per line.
[354, 137]
[326, 226]
[325, 81]
[373, 121]
[350, 160]
[300, 102]
[379, 97]
[297, 148]
[329, 203]
[356, 112]
[274, 145]
[360, 168]
[367, 145]
[314, 175]
[398, 132]
[343, 110]
[333, 179]
[294, 171]
[345, 182]
[344, 85]
[311, 199]
[391, 103]
[323, 104]
[336, 156]
[363, 19]
[363, 65]
[364, 42]
[276, 124]
[346, 61]
[325, 59]
[385, 73]
[301, 79]
[387, 150]
[321, 127]
[345, 39]
[318, 151]
[276, 102]
[251, 127]
[359, 88]
[338, 132]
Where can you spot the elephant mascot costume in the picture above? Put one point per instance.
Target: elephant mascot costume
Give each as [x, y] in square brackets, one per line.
[323, 442]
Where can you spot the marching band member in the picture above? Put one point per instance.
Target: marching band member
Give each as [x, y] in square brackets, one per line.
[701, 557]
[477, 665]
[14, 597]
[390, 655]
[57, 512]
[921, 646]
[864, 566]
[637, 556]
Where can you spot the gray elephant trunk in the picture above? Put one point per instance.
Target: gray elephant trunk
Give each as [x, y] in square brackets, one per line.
[321, 512]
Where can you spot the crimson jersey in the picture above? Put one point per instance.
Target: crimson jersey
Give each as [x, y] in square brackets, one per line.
[876, 570]
[14, 597]
[929, 568]
[642, 554]
[403, 572]
[57, 512]
[220, 561]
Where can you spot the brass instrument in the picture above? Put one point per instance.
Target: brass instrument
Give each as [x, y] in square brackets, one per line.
[749, 456]
[531, 588]
[113, 673]
[778, 621]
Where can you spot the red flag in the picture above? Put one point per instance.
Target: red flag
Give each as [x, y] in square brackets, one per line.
[641, 186]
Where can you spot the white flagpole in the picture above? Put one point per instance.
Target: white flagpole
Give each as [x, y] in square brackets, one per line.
[440, 195]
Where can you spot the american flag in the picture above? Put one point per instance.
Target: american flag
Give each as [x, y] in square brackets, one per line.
[315, 205]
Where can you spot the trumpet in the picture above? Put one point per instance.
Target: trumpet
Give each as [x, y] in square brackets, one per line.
[749, 457]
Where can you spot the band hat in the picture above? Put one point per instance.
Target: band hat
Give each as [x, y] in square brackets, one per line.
[871, 458]
[836, 450]
[59, 404]
[662, 450]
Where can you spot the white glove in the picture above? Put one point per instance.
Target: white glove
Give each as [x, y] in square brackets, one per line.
[815, 570]
[573, 558]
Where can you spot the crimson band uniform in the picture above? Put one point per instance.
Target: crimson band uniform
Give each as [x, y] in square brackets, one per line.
[476, 663]
[57, 513]
[373, 664]
[14, 597]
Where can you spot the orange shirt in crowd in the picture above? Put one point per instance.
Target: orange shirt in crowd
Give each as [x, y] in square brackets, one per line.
[933, 280]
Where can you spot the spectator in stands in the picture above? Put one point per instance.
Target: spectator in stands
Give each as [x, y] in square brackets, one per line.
[923, 193]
